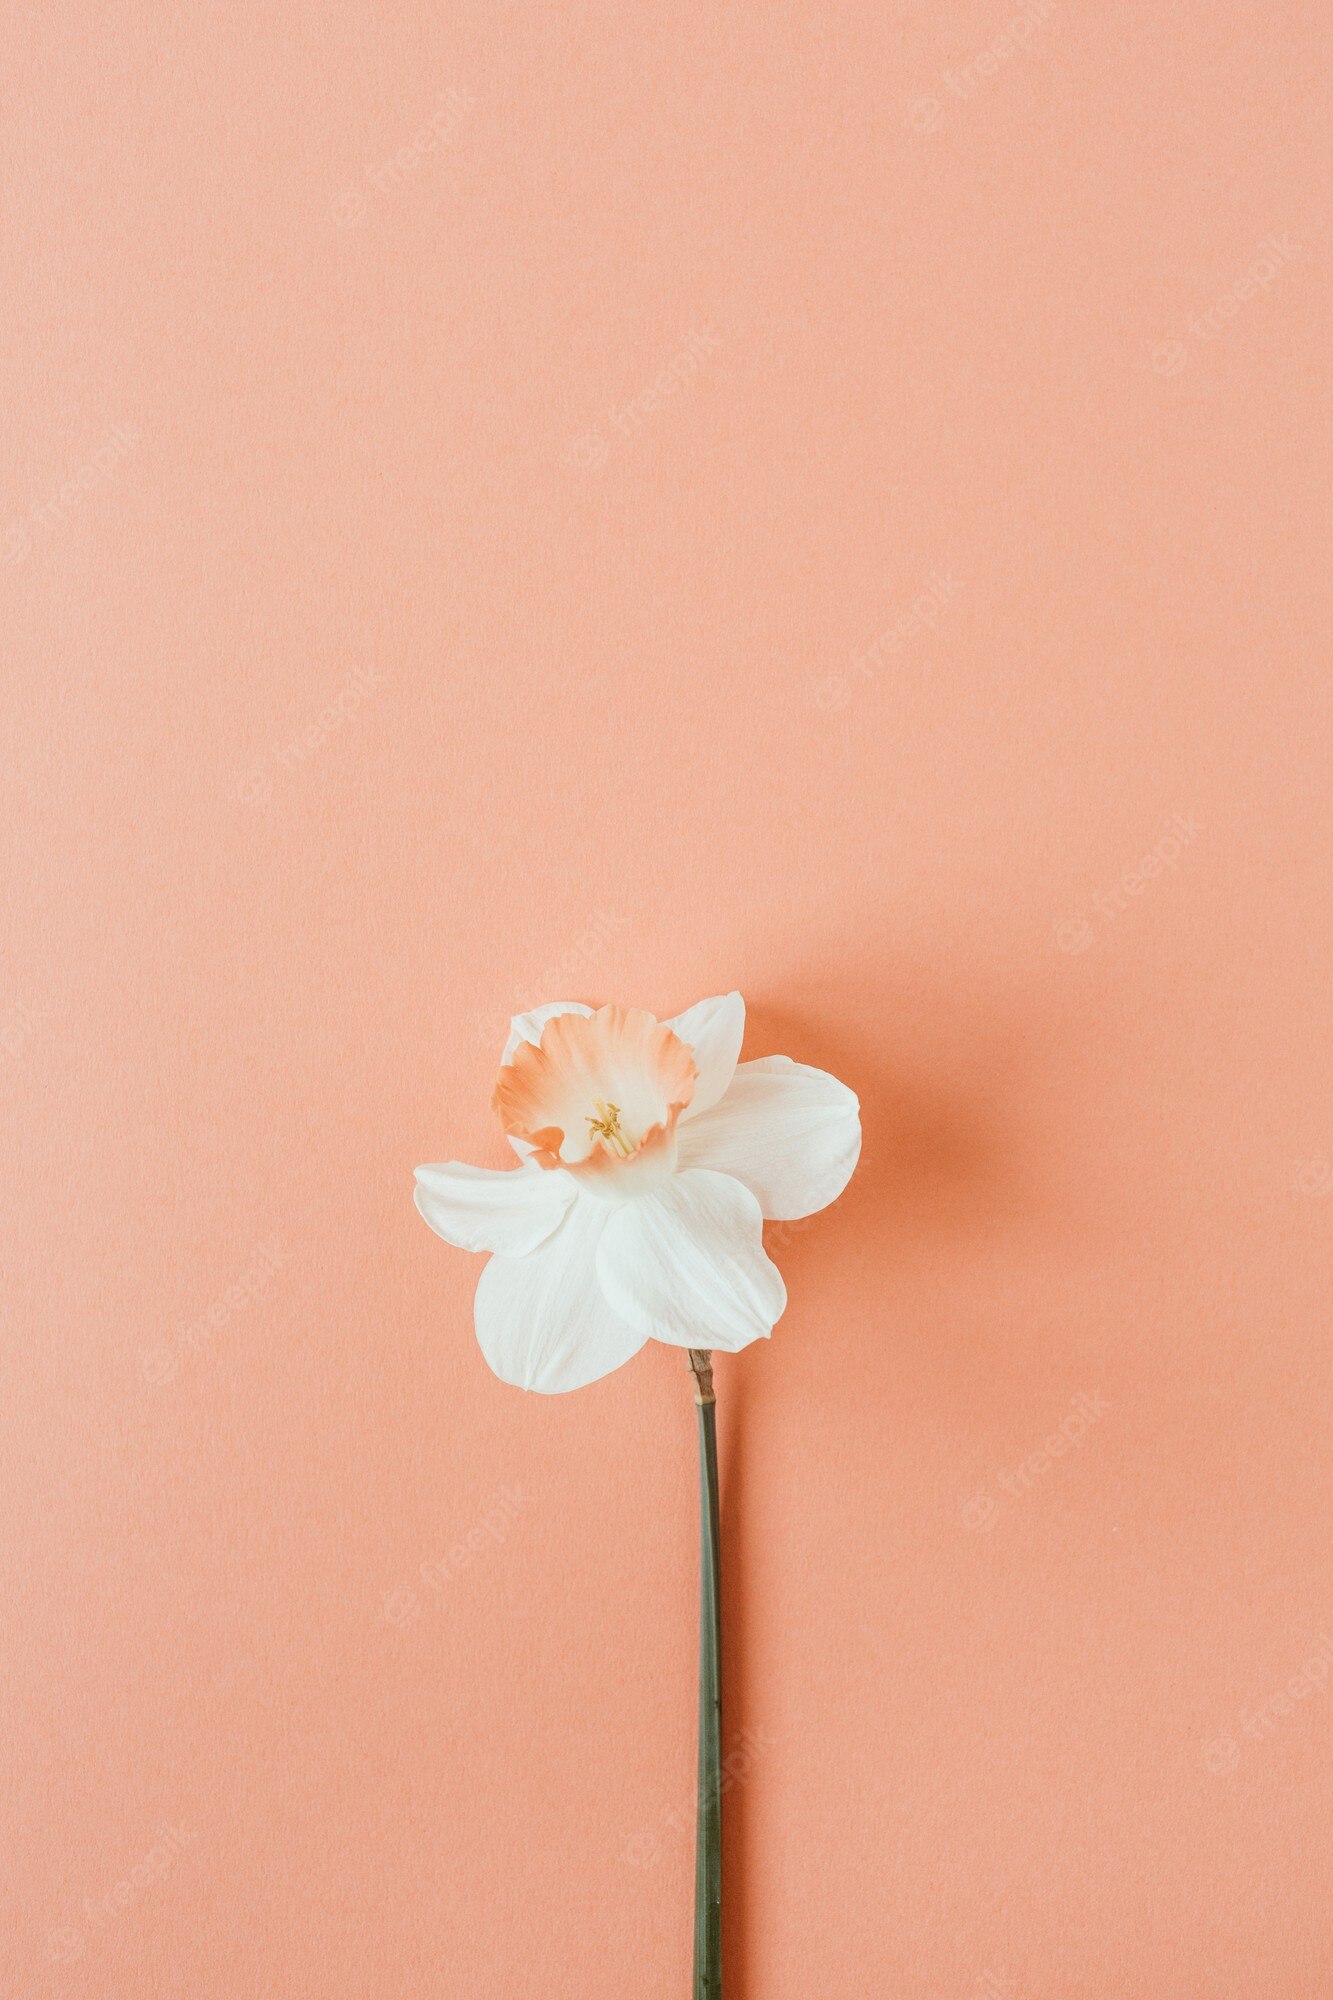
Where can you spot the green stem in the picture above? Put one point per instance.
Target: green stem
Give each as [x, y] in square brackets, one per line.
[708, 1837]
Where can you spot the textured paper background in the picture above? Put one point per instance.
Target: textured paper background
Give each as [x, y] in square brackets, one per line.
[572, 406]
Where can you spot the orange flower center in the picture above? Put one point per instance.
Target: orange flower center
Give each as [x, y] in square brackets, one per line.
[598, 1091]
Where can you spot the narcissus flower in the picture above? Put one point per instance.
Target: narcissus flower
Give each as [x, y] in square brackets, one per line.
[649, 1160]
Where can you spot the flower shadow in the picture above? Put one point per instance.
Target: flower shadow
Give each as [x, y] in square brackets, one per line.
[945, 1168]
[935, 1163]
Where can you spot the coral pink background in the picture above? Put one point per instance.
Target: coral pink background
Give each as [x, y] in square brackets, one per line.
[571, 406]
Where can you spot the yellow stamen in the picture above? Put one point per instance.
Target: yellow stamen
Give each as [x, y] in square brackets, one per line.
[606, 1125]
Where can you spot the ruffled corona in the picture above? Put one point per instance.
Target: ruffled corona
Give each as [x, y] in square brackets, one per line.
[599, 1094]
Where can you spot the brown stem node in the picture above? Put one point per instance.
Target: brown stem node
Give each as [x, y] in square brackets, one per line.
[701, 1367]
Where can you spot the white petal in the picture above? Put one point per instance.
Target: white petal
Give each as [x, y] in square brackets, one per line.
[687, 1264]
[792, 1134]
[714, 1030]
[543, 1320]
[528, 1027]
[477, 1208]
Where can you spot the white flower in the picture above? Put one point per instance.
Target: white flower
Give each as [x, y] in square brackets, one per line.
[650, 1159]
